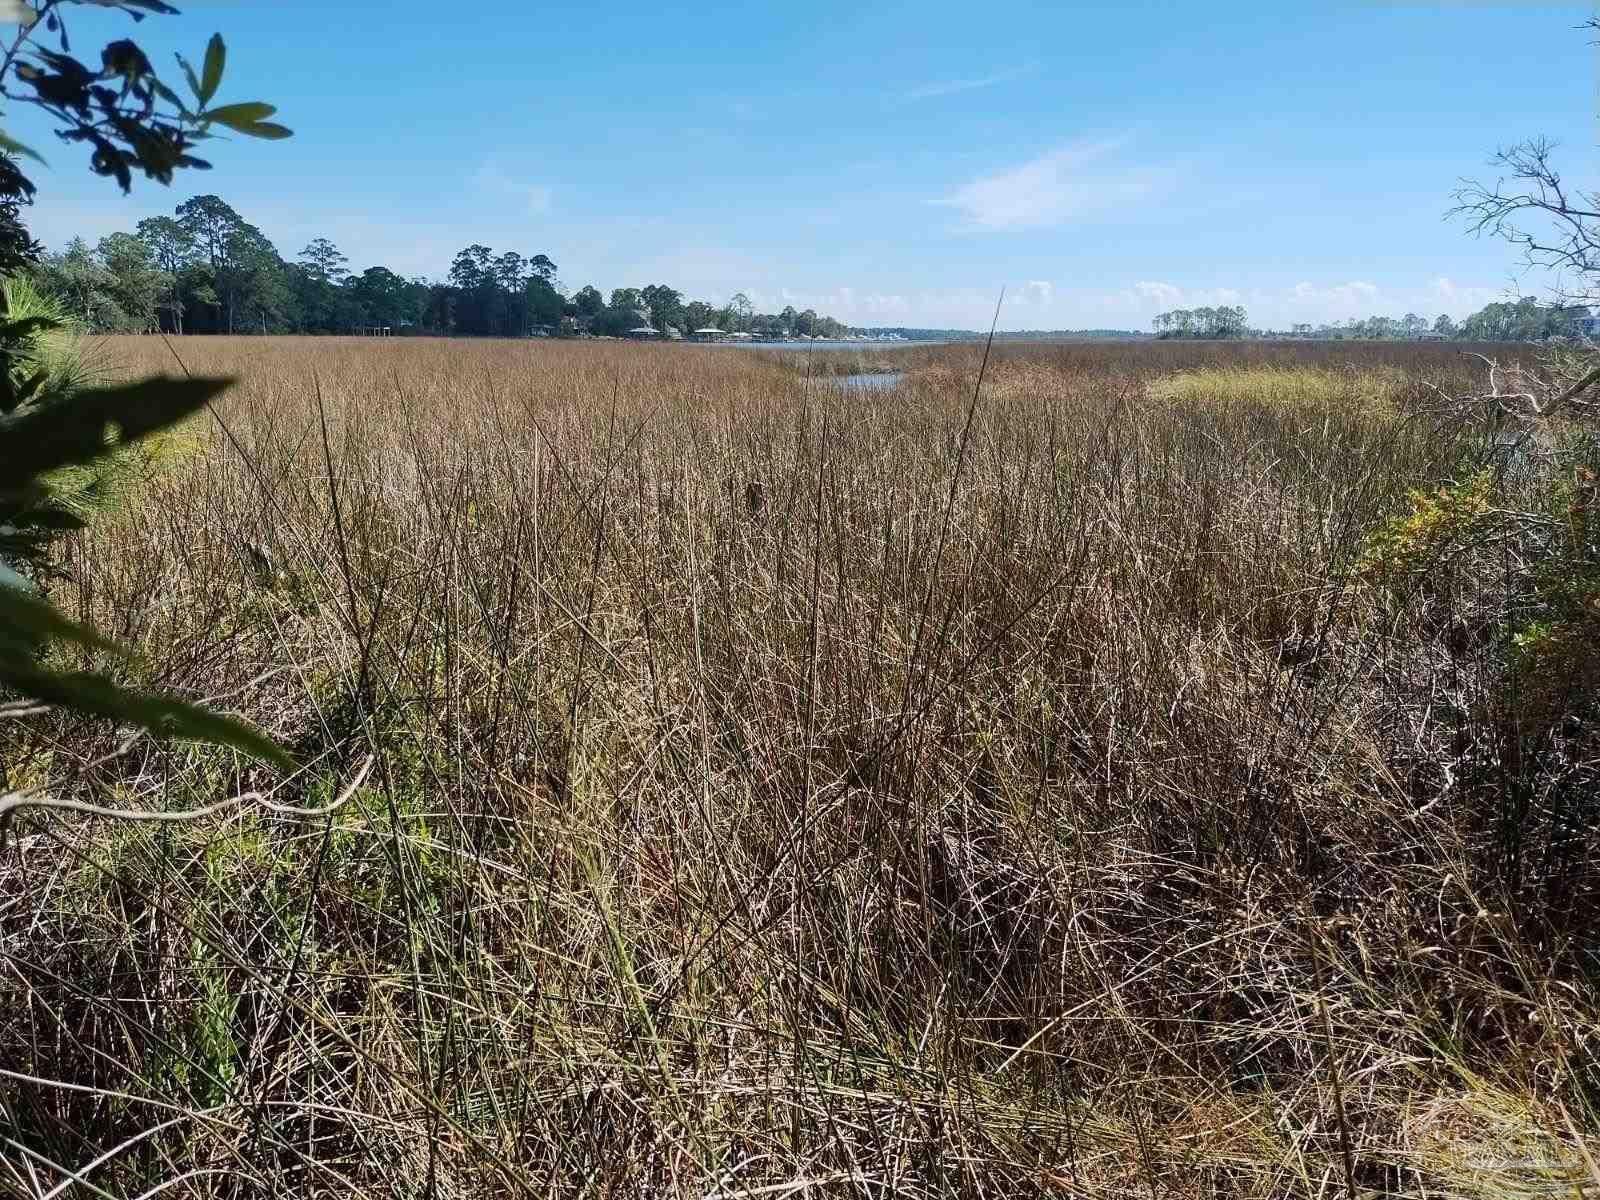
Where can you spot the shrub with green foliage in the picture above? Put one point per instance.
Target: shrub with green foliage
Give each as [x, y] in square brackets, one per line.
[61, 440]
[41, 363]
[1514, 548]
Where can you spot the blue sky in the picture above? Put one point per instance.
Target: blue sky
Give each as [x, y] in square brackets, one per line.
[889, 163]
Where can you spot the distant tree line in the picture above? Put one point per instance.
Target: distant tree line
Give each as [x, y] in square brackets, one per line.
[205, 269]
[1220, 322]
[665, 310]
[1525, 320]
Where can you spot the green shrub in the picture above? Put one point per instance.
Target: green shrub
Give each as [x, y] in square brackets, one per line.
[1442, 526]
[1521, 564]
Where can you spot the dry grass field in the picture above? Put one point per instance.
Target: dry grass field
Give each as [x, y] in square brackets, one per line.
[1131, 782]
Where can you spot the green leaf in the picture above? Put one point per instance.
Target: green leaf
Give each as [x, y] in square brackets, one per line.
[170, 96]
[34, 617]
[29, 387]
[12, 332]
[96, 695]
[49, 518]
[22, 499]
[81, 430]
[239, 116]
[267, 129]
[11, 146]
[194, 80]
[211, 74]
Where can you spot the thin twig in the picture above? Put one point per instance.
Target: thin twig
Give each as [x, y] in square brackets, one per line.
[20, 800]
[1345, 1150]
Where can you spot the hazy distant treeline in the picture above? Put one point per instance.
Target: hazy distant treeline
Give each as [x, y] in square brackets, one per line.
[205, 269]
[1523, 320]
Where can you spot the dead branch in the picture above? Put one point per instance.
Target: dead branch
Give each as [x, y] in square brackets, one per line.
[14, 801]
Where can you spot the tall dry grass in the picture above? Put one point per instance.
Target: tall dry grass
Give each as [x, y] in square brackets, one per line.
[784, 791]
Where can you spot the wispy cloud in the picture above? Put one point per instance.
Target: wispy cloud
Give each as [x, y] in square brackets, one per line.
[535, 197]
[1035, 292]
[1356, 296]
[1153, 295]
[951, 87]
[1047, 304]
[1073, 182]
[1463, 297]
[1316, 302]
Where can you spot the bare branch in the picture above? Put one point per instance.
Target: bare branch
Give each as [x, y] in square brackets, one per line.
[1531, 190]
[18, 800]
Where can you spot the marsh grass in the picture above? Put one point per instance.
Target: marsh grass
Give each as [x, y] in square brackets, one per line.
[1314, 390]
[787, 792]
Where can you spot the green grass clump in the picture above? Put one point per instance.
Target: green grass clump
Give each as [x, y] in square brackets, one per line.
[1308, 390]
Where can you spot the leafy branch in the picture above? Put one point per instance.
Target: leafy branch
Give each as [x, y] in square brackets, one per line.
[122, 110]
[131, 120]
[36, 440]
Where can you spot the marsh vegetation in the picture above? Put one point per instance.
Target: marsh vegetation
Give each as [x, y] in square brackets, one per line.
[1160, 771]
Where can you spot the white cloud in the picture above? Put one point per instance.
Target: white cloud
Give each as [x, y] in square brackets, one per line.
[1067, 184]
[951, 87]
[1149, 295]
[1459, 298]
[1276, 307]
[1157, 294]
[1044, 304]
[1034, 303]
[715, 274]
[1355, 295]
[1039, 292]
[1358, 298]
[845, 303]
[491, 180]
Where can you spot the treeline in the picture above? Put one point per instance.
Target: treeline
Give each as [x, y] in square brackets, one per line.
[1220, 322]
[1068, 335]
[1525, 320]
[205, 269]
